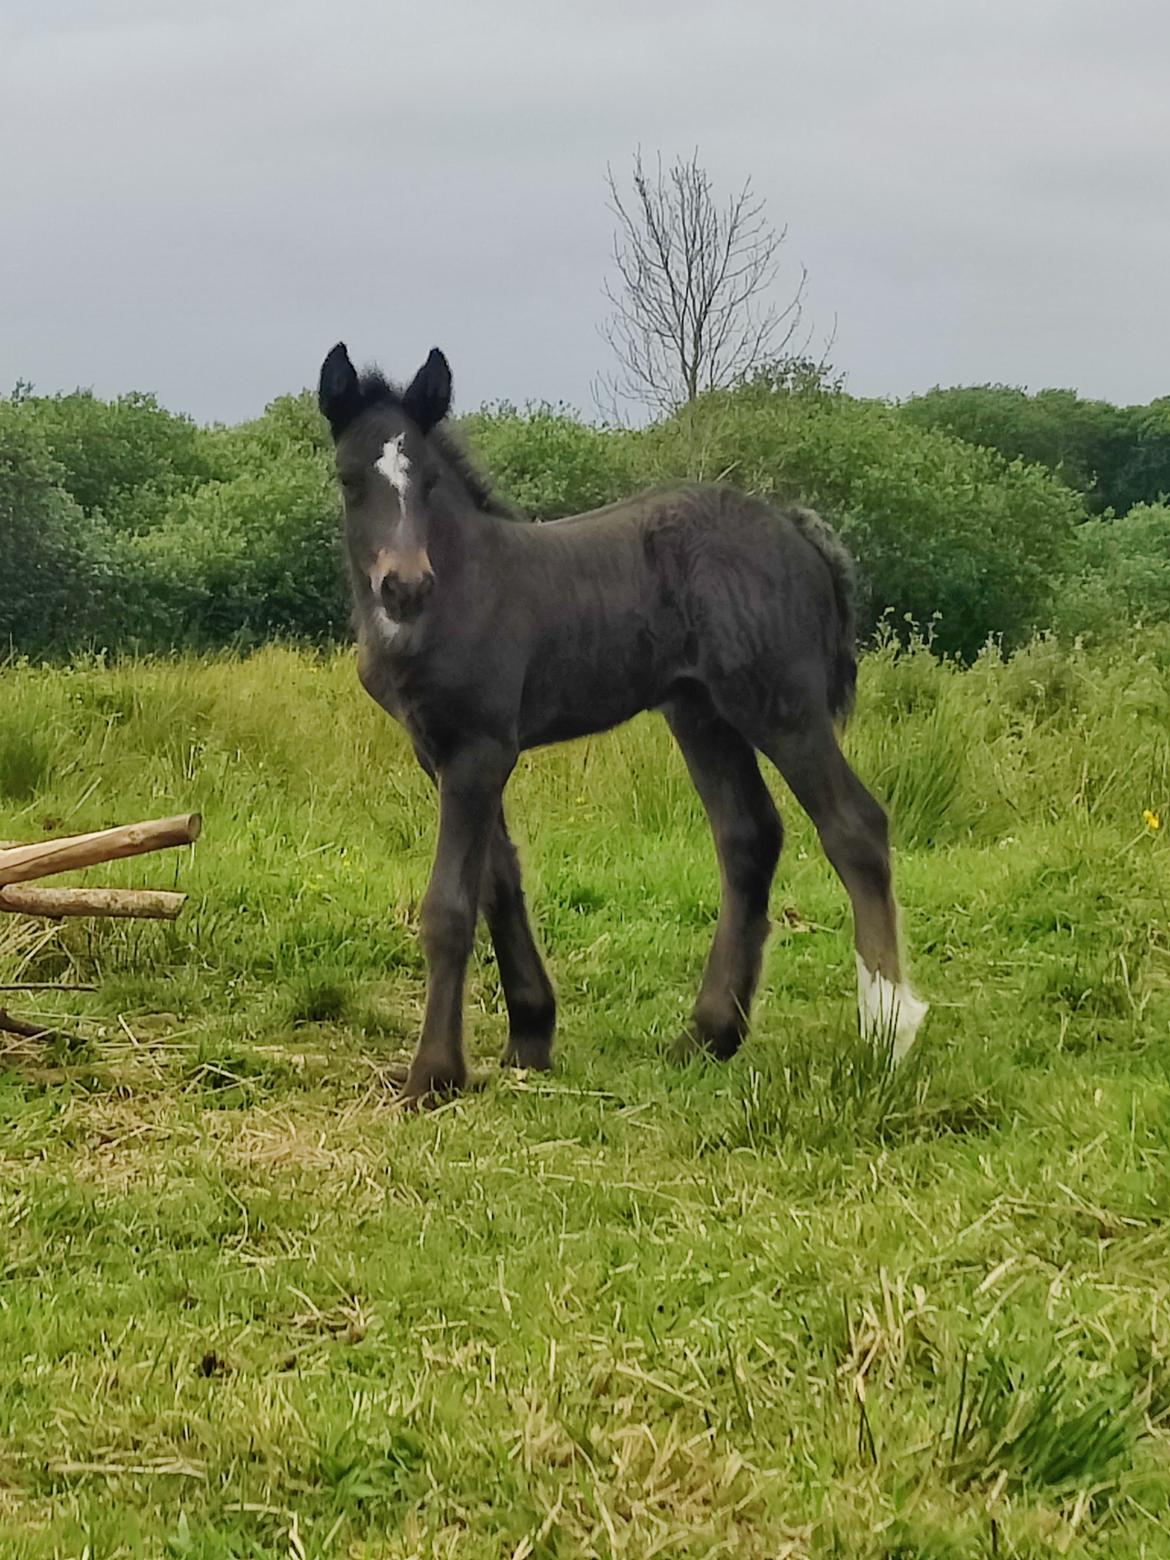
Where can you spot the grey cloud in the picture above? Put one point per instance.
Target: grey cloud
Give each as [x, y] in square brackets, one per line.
[201, 200]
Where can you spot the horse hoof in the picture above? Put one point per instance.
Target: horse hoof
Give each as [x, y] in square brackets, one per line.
[535, 1055]
[429, 1089]
[693, 1046]
[430, 1086]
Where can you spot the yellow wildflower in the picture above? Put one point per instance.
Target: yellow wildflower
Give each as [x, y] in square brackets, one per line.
[1152, 820]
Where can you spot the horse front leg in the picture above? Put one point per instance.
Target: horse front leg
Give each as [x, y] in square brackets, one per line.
[528, 992]
[471, 785]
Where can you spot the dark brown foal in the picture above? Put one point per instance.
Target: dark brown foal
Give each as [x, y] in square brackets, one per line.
[485, 638]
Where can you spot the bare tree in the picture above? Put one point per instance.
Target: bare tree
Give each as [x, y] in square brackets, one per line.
[690, 293]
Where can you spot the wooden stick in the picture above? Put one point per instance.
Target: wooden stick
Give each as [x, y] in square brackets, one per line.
[150, 904]
[11, 1025]
[43, 985]
[25, 862]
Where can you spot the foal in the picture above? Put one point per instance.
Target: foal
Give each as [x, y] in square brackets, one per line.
[485, 637]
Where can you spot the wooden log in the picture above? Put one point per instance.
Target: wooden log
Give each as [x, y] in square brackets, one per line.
[25, 862]
[148, 904]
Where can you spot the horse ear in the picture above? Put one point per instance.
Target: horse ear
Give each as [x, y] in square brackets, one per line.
[428, 397]
[339, 395]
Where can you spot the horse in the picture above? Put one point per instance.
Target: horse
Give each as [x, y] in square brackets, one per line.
[485, 637]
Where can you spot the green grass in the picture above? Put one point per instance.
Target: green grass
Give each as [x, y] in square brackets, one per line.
[791, 1306]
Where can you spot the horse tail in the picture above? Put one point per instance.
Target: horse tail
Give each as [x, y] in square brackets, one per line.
[843, 670]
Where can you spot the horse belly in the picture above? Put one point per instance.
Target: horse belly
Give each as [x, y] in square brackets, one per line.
[560, 709]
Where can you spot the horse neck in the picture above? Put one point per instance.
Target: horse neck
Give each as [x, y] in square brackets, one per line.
[464, 531]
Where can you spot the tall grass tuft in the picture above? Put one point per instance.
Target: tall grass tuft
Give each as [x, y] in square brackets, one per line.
[26, 754]
[1054, 1431]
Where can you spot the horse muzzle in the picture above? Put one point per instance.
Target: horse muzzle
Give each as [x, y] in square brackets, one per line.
[403, 582]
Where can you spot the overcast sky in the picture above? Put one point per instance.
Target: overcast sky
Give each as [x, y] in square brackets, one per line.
[200, 198]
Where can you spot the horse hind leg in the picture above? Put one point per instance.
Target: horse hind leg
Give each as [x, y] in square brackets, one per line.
[748, 836]
[854, 834]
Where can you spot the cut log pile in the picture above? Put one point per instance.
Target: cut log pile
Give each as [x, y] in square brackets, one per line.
[21, 865]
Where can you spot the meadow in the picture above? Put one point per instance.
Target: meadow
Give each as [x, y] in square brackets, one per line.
[797, 1305]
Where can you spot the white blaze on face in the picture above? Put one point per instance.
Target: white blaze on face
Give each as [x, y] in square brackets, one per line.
[394, 465]
[888, 1013]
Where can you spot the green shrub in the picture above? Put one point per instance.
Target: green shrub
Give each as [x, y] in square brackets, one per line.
[1117, 456]
[122, 526]
[54, 562]
[241, 560]
[123, 459]
[1119, 574]
[290, 424]
[550, 463]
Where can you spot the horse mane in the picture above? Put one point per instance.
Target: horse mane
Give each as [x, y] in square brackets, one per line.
[377, 390]
[451, 446]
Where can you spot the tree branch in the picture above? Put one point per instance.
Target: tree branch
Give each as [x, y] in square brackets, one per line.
[690, 298]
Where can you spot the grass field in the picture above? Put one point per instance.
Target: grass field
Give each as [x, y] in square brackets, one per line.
[789, 1306]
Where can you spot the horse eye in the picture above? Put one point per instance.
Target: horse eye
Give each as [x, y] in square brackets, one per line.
[352, 486]
[430, 482]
